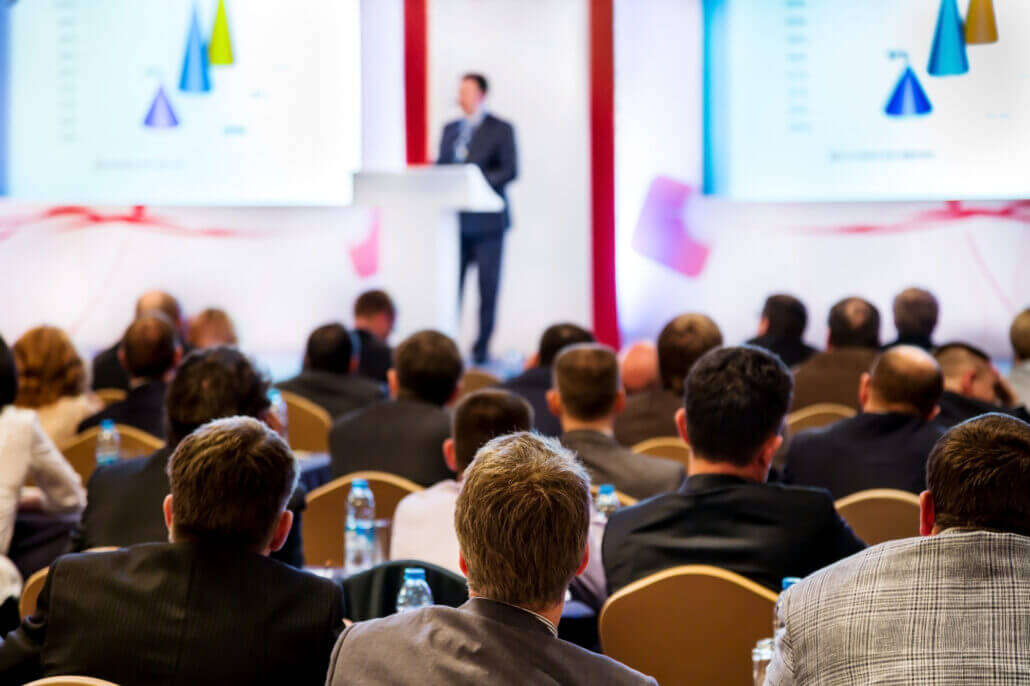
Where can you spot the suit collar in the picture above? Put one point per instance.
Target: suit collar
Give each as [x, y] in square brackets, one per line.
[705, 482]
[512, 616]
[589, 436]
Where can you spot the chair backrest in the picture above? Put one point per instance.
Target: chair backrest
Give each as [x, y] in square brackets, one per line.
[881, 514]
[818, 415]
[476, 379]
[323, 522]
[30, 592]
[694, 624]
[624, 500]
[110, 396]
[373, 593]
[81, 450]
[71, 681]
[309, 424]
[669, 447]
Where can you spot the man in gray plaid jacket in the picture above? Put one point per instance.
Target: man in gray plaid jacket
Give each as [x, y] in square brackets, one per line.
[951, 607]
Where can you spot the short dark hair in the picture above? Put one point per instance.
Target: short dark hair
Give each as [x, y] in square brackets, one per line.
[736, 399]
[480, 80]
[330, 349]
[371, 303]
[587, 378]
[915, 313]
[558, 336]
[683, 340]
[906, 375]
[786, 315]
[484, 415]
[149, 345]
[230, 481]
[854, 322]
[979, 475]
[211, 384]
[8, 375]
[428, 366]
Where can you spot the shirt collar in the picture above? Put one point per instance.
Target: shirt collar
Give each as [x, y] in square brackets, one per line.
[476, 118]
[539, 617]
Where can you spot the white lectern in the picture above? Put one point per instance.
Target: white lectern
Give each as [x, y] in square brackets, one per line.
[418, 248]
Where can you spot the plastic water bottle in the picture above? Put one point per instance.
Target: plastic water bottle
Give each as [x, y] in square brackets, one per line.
[607, 502]
[787, 582]
[279, 408]
[415, 592]
[108, 443]
[361, 528]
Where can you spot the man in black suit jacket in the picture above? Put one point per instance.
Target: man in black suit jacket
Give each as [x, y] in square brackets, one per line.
[208, 608]
[781, 328]
[725, 514]
[403, 435]
[887, 444]
[108, 370]
[586, 397]
[123, 500]
[534, 383]
[328, 378]
[915, 318]
[972, 386]
[482, 139]
[374, 317]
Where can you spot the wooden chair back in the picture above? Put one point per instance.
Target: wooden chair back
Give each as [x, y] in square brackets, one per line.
[881, 514]
[308, 424]
[110, 396]
[81, 450]
[669, 447]
[816, 416]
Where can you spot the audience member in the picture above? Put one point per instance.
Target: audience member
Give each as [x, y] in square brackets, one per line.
[329, 377]
[781, 328]
[374, 317]
[1019, 377]
[638, 365]
[586, 398]
[650, 414]
[210, 328]
[832, 376]
[108, 371]
[725, 514]
[534, 383]
[123, 506]
[149, 351]
[52, 381]
[972, 386]
[915, 318]
[207, 608]
[521, 518]
[403, 435]
[948, 608]
[886, 445]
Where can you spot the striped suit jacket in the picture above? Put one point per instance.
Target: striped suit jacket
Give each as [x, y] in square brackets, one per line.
[947, 609]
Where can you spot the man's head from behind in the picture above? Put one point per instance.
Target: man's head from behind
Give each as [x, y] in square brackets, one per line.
[375, 313]
[903, 379]
[558, 337]
[479, 418]
[211, 327]
[638, 365]
[150, 346]
[915, 313]
[330, 349]
[783, 317]
[733, 410]
[854, 323]
[1019, 335]
[586, 385]
[967, 371]
[426, 366]
[681, 343]
[522, 519]
[165, 302]
[978, 476]
[230, 481]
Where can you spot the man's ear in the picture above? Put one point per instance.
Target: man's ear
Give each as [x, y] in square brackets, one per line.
[966, 382]
[462, 565]
[391, 382]
[585, 562]
[554, 402]
[933, 413]
[121, 357]
[927, 514]
[448, 455]
[863, 390]
[167, 507]
[282, 531]
[768, 451]
[620, 402]
[681, 425]
[533, 361]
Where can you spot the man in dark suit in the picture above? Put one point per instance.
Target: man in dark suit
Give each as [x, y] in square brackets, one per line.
[207, 608]
[915, 318]
[328, 378]
[108, 371]
[725, 514]
[374, 317]
[521, 518]
[482, 139]
[781, 328]
[123, 500]
[586, 397]
[886, 445]
[149, 351]
[832, 376]
[650, 414]
[403, 435]
[972, 386]
[534, 383]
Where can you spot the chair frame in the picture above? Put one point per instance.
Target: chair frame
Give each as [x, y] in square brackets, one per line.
[294, 400]
[884, 495]
[667, 442]
[836, 409]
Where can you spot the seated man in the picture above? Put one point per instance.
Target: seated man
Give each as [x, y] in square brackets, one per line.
[586, 397]
[972, 386]
[403, 435]
[123, 500]
[374, 317]
[329, 377]
[638, 365]
[725, 514]
[886, 445]
[915, 318]
[650, 414]
[781, 328]
[521, 519]
[207, 608]
[951, 607]
[149, 352]
[108, 371]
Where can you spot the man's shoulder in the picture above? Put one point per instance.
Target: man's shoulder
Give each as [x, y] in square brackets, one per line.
[119, 472]
[498, 122]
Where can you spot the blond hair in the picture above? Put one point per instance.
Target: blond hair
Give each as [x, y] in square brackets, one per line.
[211, 327]
[49, 367]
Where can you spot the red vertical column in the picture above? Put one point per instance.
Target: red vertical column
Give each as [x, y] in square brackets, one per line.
[416, 74]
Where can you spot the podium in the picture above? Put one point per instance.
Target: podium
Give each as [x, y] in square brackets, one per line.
[419, 249]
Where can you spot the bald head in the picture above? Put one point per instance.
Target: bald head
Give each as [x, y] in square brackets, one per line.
[904, 379]
[854, 322]
[639, 367]
[163, 302]
[967, 371]
[150, 346]
[1019, 334]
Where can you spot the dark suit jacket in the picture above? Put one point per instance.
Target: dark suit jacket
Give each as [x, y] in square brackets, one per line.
[639, 476]
[832, 377]
[337, 393]
[492, 149]
[123, 508]
[403, 436]
[181, 613]
[792, 352]
[924, 343]
[648, 414]
[375, 357]
[866, 451]
[956, 409]
[108, 371]
[143, 408]
[762, 531]
[533, 385]
[481, 642]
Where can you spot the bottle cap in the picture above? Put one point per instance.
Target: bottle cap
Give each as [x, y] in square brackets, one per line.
[606, 489]
[274, 395]
[414, 573]
[107, 424]
[359, 483]
[789, 581]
